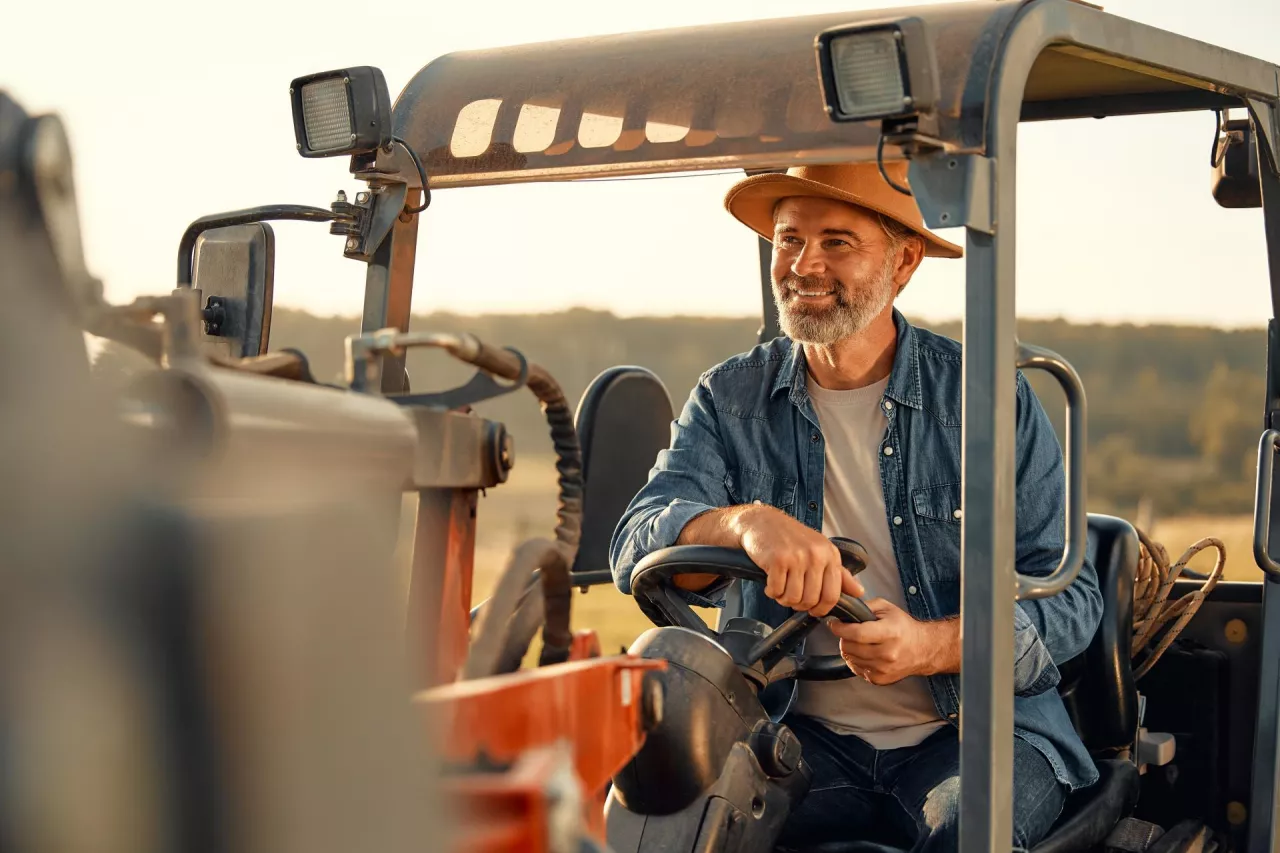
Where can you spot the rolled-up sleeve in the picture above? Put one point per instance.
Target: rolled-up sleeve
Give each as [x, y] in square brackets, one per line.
[1047, 631]
[687, 480]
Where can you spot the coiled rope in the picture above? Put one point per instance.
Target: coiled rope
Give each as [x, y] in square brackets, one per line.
[1152, 609]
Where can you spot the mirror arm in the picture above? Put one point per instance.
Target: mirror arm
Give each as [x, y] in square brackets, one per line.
[265, 213]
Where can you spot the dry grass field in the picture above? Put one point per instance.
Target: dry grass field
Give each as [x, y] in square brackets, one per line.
[525, 507]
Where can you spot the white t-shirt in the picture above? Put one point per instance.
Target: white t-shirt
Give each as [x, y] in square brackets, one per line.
[887, 716]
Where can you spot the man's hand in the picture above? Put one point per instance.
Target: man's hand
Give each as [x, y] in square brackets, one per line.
[804, 568]
[897, 645]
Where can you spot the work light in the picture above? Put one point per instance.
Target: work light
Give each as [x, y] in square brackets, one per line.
[866, 74]
[347, 111]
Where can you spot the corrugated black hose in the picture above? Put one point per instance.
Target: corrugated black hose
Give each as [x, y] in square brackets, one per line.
[497, 634]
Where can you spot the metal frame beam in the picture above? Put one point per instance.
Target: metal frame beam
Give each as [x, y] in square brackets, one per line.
[988, 525]
[388, 290]
[1264, 829]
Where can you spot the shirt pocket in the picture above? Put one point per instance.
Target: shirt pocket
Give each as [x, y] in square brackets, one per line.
[938, 528]
[938, 504]
[747, 485]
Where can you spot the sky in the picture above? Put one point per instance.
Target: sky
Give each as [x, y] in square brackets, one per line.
[178, 110]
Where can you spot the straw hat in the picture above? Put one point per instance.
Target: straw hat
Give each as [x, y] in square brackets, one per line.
[753, 200]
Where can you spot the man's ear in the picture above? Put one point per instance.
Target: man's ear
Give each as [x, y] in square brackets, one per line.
[910, 256]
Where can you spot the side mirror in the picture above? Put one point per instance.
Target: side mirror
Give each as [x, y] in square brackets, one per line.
[1235, 170]
[234, 273]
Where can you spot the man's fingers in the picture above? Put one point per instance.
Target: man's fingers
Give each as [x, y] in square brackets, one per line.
[881, 606]
[864, 633]
[794, 589]
[776, 584]
[850, 585]
[812, 589]
[830, 593]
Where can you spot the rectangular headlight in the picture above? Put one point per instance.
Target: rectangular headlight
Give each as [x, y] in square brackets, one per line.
[326, 116]
[866, 74]
[347, 111]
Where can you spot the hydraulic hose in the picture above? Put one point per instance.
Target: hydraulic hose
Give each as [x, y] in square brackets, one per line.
[556, 588]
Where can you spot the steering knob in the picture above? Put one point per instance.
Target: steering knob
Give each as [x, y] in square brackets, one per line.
[852, 555]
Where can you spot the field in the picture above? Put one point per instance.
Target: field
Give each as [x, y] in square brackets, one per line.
[525, 506]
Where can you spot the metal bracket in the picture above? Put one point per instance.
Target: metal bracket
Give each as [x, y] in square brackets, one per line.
[381, 206]
[480, 387]
[364, 371]
[955, 189]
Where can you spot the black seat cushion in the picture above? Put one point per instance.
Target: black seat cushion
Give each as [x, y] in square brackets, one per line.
[1097, 686]
[623, 422]
[1091, 813]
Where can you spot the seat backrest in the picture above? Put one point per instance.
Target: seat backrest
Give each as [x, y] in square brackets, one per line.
[1097, 686]
[623, 421]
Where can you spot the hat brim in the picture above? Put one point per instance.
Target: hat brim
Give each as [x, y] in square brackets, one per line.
[753, 200]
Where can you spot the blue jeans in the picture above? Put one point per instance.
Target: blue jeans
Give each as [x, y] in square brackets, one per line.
[906, 797]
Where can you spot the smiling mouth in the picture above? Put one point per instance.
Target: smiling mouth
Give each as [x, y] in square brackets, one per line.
[811, 294]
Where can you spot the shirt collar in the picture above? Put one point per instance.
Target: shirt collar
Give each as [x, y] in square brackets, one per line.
[904, 378]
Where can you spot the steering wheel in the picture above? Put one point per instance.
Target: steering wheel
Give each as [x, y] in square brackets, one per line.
[765, 652]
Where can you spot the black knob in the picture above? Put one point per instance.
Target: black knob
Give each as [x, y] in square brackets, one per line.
[776, 748]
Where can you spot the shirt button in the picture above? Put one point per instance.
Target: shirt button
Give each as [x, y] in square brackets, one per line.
[897, 519]
[888, 451]
[817, 437]
[888, 404]
[813, 505]
[957, 514]
[912, 590]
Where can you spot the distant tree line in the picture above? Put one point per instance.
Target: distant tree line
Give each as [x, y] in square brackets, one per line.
[1174, 412]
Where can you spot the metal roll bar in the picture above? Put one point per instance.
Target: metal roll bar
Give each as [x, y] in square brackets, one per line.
[1267, 447]
[1031, 586]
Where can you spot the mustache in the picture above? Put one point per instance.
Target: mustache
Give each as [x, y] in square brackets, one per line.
[812, 282]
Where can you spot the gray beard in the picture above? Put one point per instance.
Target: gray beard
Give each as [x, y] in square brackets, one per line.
[852, 312]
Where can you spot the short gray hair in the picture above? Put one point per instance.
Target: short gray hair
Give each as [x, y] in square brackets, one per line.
[895, 231]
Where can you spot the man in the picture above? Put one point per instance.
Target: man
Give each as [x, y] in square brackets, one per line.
[851, 426]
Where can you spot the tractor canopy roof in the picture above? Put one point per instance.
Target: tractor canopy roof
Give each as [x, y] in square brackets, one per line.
[751, 95]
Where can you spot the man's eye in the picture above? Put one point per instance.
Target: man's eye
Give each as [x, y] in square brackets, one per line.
[836, 244]
[787, 240]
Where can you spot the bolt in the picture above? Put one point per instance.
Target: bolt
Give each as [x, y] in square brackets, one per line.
[362, 198]
[214, 314]
[352, 243]
[342, 197]
[290, 90]
[353, 137]
[298, 146]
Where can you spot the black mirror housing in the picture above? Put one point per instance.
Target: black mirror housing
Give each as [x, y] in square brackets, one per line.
[1236, 182]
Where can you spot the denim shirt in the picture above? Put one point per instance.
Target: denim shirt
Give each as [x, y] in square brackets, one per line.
[749, 432]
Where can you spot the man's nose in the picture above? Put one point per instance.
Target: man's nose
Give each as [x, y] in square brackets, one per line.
[809, 261]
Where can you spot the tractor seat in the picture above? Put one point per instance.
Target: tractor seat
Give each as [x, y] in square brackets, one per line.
[623, 422]
[1099, 691]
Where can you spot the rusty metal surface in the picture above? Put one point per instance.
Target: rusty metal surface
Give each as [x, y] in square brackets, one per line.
[595, 704]
[439, 610]
[736, 95]
[747, 95]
